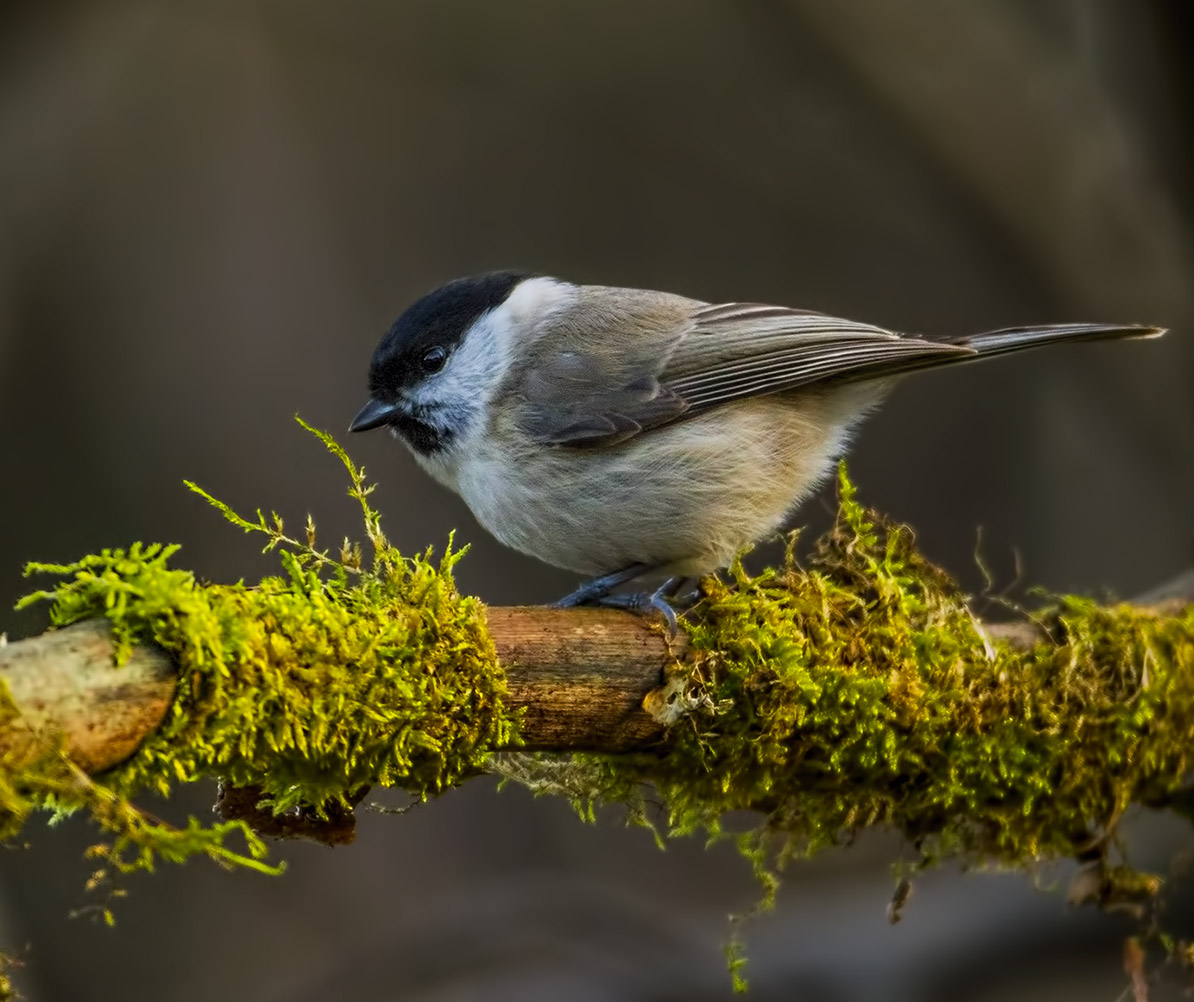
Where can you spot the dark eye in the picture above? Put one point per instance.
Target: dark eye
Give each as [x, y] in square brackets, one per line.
[433, 359]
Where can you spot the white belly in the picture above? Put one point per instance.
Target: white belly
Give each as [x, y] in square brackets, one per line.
[685, 498]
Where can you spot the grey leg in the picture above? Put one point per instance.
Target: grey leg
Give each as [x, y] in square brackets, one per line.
[592, 592]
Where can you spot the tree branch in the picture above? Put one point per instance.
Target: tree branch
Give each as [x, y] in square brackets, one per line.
[580, 675]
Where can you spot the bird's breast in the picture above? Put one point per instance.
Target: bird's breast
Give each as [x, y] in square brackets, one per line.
[686, 497]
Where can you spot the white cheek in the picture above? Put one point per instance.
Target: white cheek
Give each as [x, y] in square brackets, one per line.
[481, 361]
[428, 392]
[478, 365]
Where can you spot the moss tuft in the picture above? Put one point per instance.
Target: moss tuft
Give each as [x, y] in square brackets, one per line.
[7, 992]
[860, 691]
[307, 686]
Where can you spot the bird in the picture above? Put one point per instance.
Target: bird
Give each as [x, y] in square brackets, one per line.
[629, 434]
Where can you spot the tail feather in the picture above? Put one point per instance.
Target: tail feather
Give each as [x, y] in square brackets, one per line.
[991, 344]
[1015, 338]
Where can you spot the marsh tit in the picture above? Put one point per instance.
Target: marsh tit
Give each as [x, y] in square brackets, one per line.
[625, 433]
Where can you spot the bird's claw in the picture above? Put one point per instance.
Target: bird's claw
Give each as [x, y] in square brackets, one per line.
[645, 603]
[597, 592]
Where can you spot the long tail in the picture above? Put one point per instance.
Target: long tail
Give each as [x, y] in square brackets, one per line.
[1015, 338]
[895, 358]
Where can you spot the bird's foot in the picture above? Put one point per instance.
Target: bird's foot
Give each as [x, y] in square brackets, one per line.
[646, 602]
[597, 592]
[592, 592]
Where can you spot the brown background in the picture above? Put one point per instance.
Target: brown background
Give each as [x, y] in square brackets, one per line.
[209, 212]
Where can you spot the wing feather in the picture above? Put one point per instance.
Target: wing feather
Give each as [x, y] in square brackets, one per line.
[742, 350]
[789, 370]
[648, 374]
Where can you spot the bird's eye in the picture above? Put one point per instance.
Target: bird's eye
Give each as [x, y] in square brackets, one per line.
[433, 359]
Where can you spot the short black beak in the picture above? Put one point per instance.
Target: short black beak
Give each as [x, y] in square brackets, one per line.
[373, 415]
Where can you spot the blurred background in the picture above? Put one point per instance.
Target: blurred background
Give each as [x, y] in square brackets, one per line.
[210, 212]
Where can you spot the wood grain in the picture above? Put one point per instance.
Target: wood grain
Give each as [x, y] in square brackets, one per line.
[581, 674]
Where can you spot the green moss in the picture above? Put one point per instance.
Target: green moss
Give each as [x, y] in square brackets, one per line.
[307, 686]
[7, 992]
[853, 692]
[860, 692]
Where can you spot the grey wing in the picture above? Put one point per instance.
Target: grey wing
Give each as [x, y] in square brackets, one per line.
[599, 384]
[741, 350]
[595, 414]
[711, 355]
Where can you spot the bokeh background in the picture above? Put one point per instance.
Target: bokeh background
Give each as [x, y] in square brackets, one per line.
[209, 212]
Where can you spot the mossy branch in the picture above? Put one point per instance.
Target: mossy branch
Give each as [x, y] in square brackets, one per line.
[580, 680]
[859, 689]
[576, 679]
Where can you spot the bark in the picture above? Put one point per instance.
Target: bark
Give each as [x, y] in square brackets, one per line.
[581, 674]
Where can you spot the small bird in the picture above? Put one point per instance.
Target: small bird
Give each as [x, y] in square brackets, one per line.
[628, 433]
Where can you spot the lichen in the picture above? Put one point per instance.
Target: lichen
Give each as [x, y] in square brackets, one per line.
[309, 686]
